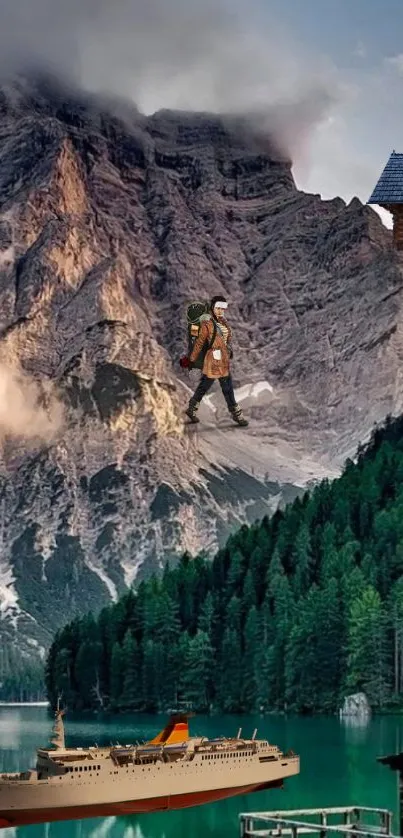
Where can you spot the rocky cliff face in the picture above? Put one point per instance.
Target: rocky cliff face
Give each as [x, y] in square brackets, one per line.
[109, 223]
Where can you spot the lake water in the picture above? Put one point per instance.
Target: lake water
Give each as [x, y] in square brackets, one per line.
[338, 768]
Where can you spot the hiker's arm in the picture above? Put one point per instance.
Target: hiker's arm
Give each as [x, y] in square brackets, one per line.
[199, 342]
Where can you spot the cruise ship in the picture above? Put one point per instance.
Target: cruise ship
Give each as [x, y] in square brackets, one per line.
[172, 771]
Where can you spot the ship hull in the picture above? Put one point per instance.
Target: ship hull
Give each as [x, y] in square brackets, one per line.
[130, 807]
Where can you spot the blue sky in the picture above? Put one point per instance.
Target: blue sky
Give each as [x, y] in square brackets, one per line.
[337, 26]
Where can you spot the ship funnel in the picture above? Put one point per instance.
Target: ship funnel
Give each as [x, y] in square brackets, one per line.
[254, 733]
[239, 733]
[175, 732]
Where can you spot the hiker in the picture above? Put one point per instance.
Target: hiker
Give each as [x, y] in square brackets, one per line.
[213, 343]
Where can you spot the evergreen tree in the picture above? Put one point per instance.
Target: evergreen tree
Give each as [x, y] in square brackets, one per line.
[116, 675]
[367, 643]
[198, 674]
[131, 696]
[251, 659]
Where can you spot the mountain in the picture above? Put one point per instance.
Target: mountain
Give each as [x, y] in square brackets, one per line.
[110, 222]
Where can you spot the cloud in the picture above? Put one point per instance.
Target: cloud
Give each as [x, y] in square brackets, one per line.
[181, 54]
[27, 411]
[396, 63]
[360, 50]
[203, 55]
[335, 166]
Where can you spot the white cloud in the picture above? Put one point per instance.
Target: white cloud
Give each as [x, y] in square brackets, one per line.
[360, 50]
[350, 148]
[26, 411]
[395, 62]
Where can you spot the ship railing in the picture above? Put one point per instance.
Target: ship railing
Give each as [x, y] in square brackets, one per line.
[155, 753]
[16, 775]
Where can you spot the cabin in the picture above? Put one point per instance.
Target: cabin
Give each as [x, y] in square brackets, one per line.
[388, 193]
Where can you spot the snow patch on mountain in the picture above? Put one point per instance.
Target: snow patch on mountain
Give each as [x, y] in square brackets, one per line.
[99, 571]
[253, 390]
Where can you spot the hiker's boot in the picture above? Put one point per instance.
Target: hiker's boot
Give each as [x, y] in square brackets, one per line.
[238, 417]
[192, 410]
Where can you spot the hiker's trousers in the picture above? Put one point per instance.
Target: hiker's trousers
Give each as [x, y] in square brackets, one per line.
[206, 383]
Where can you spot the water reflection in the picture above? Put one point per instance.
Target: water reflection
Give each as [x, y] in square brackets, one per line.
[338, 767]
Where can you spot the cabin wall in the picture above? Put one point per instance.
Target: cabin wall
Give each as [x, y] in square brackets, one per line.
[397, 211]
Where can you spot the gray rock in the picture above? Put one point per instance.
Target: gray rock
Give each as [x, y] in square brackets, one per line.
[109, 223]
[355, 705]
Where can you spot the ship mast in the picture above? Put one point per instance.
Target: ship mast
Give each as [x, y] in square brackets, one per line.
[58, 729]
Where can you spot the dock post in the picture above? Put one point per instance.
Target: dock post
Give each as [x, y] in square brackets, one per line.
[323, 823]
[246, 826]
[347, 821]
[386, 822]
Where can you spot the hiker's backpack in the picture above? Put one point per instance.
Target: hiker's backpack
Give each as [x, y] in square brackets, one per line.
[196, 313]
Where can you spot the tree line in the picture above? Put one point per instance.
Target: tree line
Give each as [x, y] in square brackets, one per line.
[295, 612]
[21, 678]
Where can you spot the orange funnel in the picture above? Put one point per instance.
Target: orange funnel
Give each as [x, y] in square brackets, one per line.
[176, 731]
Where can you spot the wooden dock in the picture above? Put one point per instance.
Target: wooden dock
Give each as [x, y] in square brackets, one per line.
[350, 820]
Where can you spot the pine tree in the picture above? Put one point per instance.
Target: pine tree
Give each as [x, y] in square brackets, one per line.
[230, 680]
[367, 645]
[395, 611]
[131, 696]
[251, 659]
[116, 675]
[199, 670]
[283, 613]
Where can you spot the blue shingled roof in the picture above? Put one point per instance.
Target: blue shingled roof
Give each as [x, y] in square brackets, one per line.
[389, 189]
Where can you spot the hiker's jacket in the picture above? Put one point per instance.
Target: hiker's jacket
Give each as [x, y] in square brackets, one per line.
[212, 367]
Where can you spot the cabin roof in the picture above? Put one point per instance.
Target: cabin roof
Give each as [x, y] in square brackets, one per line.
[389, 189]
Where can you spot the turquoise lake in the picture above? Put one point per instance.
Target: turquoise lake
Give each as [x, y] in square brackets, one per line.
[338, 767]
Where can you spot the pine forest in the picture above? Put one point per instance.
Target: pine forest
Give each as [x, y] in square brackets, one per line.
[294, 613]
